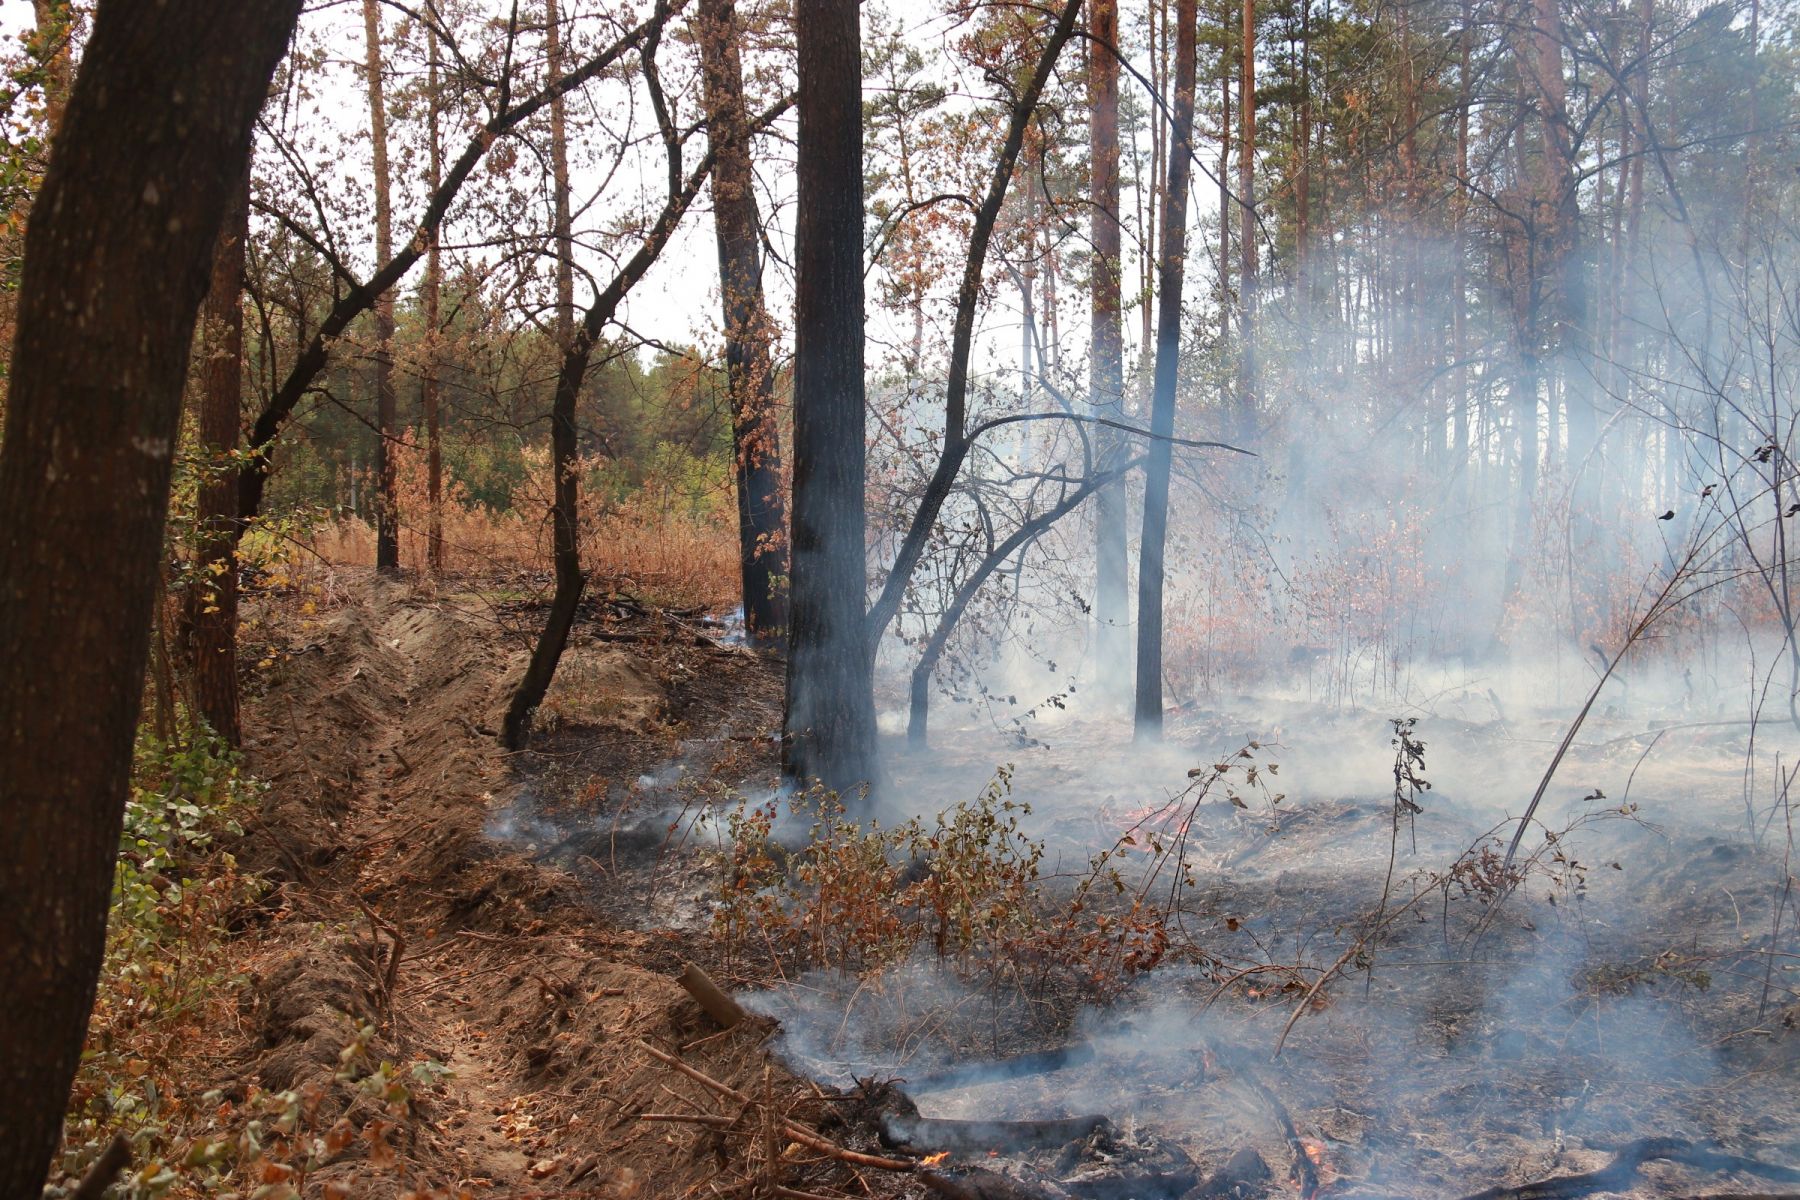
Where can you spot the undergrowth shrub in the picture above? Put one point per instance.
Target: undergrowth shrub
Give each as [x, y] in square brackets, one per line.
[965, 887]
[170, 983]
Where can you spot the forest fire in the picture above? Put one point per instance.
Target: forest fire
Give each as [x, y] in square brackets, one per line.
[775, 598]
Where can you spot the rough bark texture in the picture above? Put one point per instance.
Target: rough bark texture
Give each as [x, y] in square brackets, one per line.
[434, 286]
[1149, 710]
[117, 260]
[212, 595]
[1106, 384]
[749, 365]
[387, 510]
[829, 729]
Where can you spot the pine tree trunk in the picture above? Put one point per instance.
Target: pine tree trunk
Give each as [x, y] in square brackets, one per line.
[387, 511]
[1106, 382]
[749, 334]
[1247, 268]
[212, 595]
[829, 724]
[118, 253]
[433, 289]
[1149, 710]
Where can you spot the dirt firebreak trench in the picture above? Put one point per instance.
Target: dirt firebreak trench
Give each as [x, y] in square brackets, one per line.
[522, 920]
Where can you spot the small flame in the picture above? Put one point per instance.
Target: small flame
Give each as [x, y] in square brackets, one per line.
[932, 1160]
[1315, 1150]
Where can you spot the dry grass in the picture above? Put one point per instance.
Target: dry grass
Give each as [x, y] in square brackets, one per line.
[665, 555]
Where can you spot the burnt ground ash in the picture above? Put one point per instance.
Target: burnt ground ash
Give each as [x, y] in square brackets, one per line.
[1466, 1047]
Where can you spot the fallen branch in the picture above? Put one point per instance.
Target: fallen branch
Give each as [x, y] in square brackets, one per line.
[1304, 1171]
[115, 1158]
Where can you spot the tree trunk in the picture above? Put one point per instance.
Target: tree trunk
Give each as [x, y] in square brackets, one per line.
[387, 509]
[1149, 712]
[212, 596]
[155, 138]
[53, 20]
[1106, 383]
[828, 731]
[1247, 269]
[434, 286]
[749, 334]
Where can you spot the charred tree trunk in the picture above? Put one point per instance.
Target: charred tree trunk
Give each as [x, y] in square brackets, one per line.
[749, 334]
[212, 596]
[154, 140]
[1149, 711]
[828, 731]
[387, 510]
[1106, 385]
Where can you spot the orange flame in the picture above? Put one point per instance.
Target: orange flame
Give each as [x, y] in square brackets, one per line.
[932, 1160]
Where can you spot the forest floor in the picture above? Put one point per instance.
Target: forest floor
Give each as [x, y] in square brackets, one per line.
[519, 920]
[396, 905]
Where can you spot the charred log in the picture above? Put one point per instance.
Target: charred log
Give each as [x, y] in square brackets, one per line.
[929, 1133]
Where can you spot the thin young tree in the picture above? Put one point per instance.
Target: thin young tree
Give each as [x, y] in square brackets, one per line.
[1148, 716]
[154, 140]
[212, 594]
[429, 385]
[749, 334]
[387, 513]
[829, 715]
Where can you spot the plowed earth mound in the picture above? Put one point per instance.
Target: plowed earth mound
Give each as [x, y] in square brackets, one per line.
[393, 908]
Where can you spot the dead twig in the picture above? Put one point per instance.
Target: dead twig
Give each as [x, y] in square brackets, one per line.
[791, 1130]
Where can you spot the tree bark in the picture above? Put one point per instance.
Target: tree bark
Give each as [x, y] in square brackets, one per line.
[387, 509]
[1149, 711]
[749, 334]
[155, 138]
[829, 722]
[212, 595]
[434, 286]
[1106, 383]
[1247, 253]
